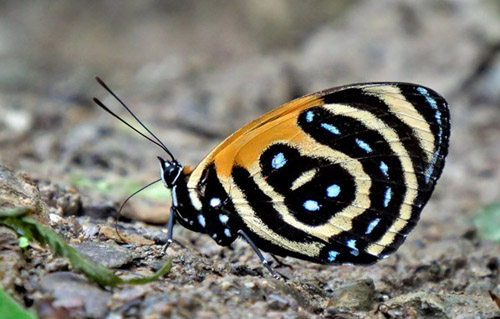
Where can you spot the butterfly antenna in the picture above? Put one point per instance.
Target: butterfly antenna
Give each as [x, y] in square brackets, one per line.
[98, 102]
[118, 213]
[157, 142]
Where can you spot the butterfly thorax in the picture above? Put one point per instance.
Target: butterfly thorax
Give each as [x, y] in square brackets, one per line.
[203, 209]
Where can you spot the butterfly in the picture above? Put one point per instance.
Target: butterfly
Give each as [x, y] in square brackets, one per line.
[334, 177]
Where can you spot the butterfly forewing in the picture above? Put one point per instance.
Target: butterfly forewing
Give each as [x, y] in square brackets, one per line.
[339, 176]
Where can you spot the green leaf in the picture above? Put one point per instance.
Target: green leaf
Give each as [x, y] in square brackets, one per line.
[11, 309]
[23, 242]
[487, 222]
[30, 229]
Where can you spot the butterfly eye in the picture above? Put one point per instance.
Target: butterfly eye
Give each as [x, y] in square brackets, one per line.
[169, 172]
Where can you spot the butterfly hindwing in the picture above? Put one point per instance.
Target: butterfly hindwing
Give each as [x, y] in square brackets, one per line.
[339, 176]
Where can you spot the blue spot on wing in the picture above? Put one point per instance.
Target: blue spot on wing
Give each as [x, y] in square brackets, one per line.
[388, 195]
[309, 116]
[330, 128]
[364, 146]
[351, 243]
[372, 225]
[201, 220]
[278, 161]
[311, 205]
[333, 190]
[332, 254]
[214, 202]
[384, 168]
[432, 102]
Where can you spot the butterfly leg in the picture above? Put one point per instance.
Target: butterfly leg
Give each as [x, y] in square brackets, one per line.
[280, 263]
[170, 229]
[263, 259]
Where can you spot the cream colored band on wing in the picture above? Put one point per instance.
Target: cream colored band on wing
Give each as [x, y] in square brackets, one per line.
[256, 225]
[406, 112]
[374, 123]
[341, 221]
[195, 198]
[303, 179]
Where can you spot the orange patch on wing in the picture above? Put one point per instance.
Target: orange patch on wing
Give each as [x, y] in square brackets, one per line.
[246, 150]
[281, 120]
[187, 170]
[244, 147]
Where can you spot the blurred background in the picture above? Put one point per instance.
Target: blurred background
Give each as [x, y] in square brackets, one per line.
[194, 71]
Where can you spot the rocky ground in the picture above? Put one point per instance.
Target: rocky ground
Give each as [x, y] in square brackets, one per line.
[196, 71]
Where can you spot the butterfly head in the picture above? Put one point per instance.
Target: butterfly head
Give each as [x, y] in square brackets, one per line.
[170, 172]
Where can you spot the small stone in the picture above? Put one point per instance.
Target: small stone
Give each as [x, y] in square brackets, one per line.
[137, 240]
[55, 219]
[225, 285]
[68, 289]
[356, 296]
[249, 284]
[90, 231]
[276, 302]
[10, 259]
[18, 190]
[70, 204]
[107, 254]
[18, 120]
[440, 305]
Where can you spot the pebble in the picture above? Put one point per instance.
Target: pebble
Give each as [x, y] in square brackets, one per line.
[72, 290]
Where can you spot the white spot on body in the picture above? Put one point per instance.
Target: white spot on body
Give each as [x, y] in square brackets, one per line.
[388, 195]
[372, 225]
[214, 202]
[191, 222]
[162, 175]
[309, 116]
[223, 218]
[311, 205]
[214, 236]
[201, 220]
[384, 256]
[227, 232]
[174, 196]
[384, 168]
[278, 161]
[333, 190]
[363, 145]
[330, 128]
[332, 254]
